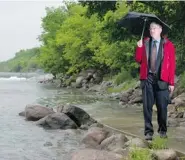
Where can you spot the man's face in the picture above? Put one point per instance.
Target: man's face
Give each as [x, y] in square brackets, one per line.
[155, 30]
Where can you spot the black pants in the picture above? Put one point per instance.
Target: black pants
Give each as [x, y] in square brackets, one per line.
[153, 95]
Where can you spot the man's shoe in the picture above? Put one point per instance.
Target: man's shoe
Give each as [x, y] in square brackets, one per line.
[148, 137]
[163, 135]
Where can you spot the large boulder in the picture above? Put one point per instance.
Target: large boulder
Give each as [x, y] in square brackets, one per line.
[137, 142]
[113, 142]
[79, 81]
[57, 121]
[92, 154]
[78, 115]
[179, 101]
[172, 122]
[165, 154]
[94, 137]
[36, 112]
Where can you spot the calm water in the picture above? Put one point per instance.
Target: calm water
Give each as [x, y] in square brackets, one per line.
[24, 140]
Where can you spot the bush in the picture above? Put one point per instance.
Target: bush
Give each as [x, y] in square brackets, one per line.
[140, 154]
[182, 80]
[159, 143]
[122, 77]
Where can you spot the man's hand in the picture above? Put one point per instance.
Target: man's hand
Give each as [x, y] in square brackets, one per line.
[140, 43]
[171, 88]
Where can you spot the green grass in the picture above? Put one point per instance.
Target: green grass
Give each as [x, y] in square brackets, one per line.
[140, 154]
[159, 143]
[125, 86]
[146, 153]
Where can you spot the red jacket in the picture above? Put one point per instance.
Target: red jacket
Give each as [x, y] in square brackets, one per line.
[168, 65]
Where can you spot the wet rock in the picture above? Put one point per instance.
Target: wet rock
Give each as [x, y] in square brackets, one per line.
[94, 88]
[57, 121]
[137, 142]
[48, 144]
[97, 125]
[78, 115]
[79, 81]
[179, 100]
[124, 152]
[22, 114]
[172, 122]
[36, 112]
[165, 154]
[84, 127]
[94, 137]
[92, 154]
[113, 142]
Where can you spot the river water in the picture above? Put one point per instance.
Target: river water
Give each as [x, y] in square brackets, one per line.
[23, 140]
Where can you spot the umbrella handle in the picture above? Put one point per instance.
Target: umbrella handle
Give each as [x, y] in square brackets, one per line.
[143, 28]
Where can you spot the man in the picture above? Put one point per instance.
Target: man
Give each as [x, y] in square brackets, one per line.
[156, 56]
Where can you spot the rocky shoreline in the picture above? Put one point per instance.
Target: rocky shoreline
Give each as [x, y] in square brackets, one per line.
[92, 81]
[99, 142]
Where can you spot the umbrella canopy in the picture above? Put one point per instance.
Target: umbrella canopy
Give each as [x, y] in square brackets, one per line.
[139, 23]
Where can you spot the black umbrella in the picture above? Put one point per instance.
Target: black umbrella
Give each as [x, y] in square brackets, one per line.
[139, 23]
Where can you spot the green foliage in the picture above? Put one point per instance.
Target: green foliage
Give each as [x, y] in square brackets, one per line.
[159, 143]
[140, 154]
[123, 87]
[24, 61]
[122, 77]
[86, 35]
[182, 80]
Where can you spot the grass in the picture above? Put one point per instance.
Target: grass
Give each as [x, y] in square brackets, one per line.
[140, 154]
[125, 86]
[146, 153]
[159, 143]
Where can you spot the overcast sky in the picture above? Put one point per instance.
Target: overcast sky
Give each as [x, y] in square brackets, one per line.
[20, 25]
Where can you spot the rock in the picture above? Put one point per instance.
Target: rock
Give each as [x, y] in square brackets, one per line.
[136, 100]
[113, 142]
[22, 114]
[79, 81]
[84, 127]
[172, 122]
[182, 124]
[165, 154]
[179, 100]
[95, 88]
[92, 154]
[137, 142]
[124, 152]
[180, 115]
[48, 144]
[97, 125]
[94, 137]
[78, 115]
[57, 121]
[36, 112]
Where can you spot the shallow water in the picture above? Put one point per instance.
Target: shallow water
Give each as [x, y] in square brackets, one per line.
[24, 140]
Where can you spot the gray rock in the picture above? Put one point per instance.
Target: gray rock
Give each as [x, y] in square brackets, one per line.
[36, 112]
[172, 122]
[94, 137]
[137, 142]
[113, 142]
[78, 115]
[92, 154]
[79, 81]
[57, 121]
[124, 152]
[22, 114]
[48, 144]
[166, 154]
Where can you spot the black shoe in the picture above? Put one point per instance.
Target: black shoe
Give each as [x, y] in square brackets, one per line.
[163, 135]
[148, 137]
